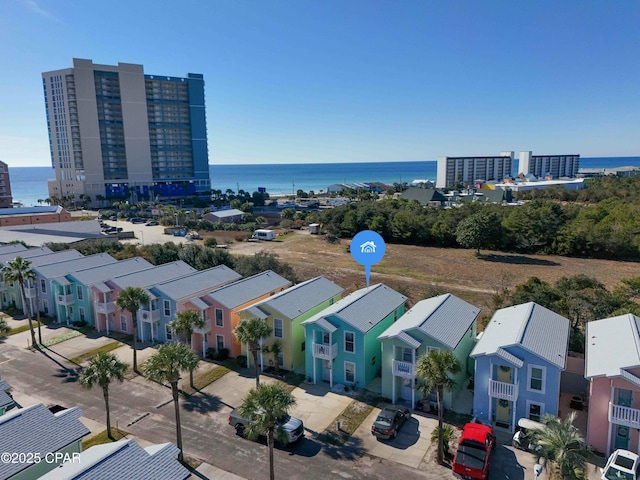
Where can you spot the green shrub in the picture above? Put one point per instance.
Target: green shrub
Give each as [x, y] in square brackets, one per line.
[241, 360]
[210, 242]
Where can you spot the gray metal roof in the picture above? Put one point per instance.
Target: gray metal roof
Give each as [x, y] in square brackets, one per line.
[247, 289]
[60, 268]
[151, 276]
[35, 429]
[303, 297]
[232, 212]
[197, 282]
[445, 318]
[28, 253]
[49, 258]
[364, 308]
[123, 459]
[256, 312]
[5, 398]
[93, 275]
[531, 326]
[12, 248]
[612, 344]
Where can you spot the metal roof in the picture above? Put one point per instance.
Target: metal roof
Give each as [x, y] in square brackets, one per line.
[303, 297]
[35, 429]
[63, 267]
[5, 398]
[445, 318]
[232, 212]
[243, 291]
[123, 459]
[612, 344]
[12, 248]
[198, 282]
[256, 312]
[151, 276]
[28, 253]
[93, 275]
[199, 303]
[364, 308]
[530, 326]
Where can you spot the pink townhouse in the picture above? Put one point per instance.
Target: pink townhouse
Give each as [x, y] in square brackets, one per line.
[612, 368]
[111, 318]
[224, 303]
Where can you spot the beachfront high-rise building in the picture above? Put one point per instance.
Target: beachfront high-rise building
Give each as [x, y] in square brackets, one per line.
[116, 132]
[453, 171]
[549, 165]
[5, 186]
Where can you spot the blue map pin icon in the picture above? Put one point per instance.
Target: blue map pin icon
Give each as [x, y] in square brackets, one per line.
[367, 248]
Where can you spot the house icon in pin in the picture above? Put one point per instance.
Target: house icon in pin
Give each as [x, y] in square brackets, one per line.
[368, 247]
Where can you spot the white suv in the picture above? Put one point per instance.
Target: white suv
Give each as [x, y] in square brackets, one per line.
[622, 465]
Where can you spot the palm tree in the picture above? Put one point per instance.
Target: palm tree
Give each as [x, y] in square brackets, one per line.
[563, 447]
[130, 299]
[251, 332]
[184, 324]
[264, 405]
[165, 367]
[19, 270]
[274, 349]
[103, 369]
[4, 326]
[434, 369]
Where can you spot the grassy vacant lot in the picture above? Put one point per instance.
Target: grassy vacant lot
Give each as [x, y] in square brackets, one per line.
[414, 271]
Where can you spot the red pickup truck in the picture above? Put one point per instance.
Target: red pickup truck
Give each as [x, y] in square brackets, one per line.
[474, 450]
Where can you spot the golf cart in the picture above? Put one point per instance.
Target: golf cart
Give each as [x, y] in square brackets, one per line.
[523, 438]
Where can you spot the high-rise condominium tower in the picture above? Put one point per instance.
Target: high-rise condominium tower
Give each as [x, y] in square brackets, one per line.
[116, 133]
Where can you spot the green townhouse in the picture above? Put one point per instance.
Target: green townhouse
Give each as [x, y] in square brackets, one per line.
[284, 313]
[74, 299]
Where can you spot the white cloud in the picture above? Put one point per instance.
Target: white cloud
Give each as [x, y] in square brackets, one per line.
[35, 8]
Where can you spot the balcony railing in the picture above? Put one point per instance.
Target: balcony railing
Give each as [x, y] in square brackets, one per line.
[326, 352]
[203, 330]
[626, 416]
[66, 299]
[404, 369]
[108, 307]
[150, 315]
[505, 391]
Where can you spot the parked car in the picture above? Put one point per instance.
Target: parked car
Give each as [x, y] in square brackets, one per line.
[622, 465]
[474, 450]
[137, 220]
[389, 421]
[292, 425]
[152, 223]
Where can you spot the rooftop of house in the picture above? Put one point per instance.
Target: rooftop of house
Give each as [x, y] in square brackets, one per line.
[123, 459]
[197, 282]
[47, 258]
[612, 346]
[5, 399]
[243, 291]
[151, 276]
[93, 275]
[362, 309]
[12, 248]
[28, 253]
[300, 298]
[35, 429]
[445, 318]
[530, 326]
[66, 266]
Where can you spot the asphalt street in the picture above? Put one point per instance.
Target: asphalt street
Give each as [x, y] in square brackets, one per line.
[144, 409]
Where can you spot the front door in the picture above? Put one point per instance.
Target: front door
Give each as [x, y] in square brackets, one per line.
[503, 407]
[326, 370]
[406, 389]
[622, 437]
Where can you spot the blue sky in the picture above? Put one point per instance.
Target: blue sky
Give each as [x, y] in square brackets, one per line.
[317, 81]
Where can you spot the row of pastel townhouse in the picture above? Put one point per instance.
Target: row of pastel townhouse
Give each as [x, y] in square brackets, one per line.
[517, 362]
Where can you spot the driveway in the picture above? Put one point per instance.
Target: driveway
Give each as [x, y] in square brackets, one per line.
[317, 406]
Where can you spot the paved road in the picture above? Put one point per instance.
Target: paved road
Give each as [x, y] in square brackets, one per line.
[144, 409]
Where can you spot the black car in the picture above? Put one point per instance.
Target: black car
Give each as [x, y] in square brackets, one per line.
[389, 421]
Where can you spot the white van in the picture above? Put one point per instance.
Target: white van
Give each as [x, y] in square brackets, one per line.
[263, 234]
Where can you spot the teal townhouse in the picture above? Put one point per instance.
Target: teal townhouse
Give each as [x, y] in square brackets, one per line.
[342, 343]
[74, 295]
[174, 296]
[10, 249]
[444, 323]
[115, 319]
[38, 258]
[7, 254]
[47, 295]
[285, 312]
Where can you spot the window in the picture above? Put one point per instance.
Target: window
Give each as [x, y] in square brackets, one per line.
[167, 308]
[277, 327]
[281, 360]
[349, 372]
[219, 318]
[349, 342]
[123, 323]
[79, 292]
[536, 411]
[81, 314]
[220, 342]
[43, 285]
[168, 332]
[407, 355]
[325, 338]
[536, 378]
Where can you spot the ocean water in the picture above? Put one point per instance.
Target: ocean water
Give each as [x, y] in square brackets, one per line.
[29, 184]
